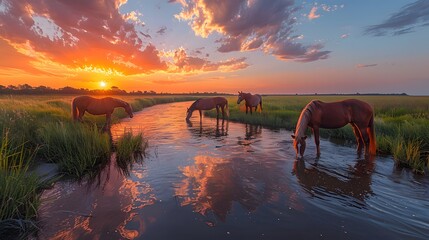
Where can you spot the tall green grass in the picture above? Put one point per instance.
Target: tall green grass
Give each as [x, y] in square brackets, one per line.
[19, 190]
[77, 148]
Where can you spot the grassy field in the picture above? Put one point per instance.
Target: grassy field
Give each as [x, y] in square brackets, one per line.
[401, 122]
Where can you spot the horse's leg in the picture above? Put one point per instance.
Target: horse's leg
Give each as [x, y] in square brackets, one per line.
[81, 113]
[250, 110]
[201, 116]
[246, 108]
[223, 111]
[365, 138]
[317, 140]
[359, 140]
[217, 111]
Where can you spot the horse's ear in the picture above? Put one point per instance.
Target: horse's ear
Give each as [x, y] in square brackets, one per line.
[305, 137]
[293, 136]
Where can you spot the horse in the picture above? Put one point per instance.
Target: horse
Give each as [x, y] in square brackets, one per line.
[251, 100]
[96, 106]
[208, 104]
[318, 114]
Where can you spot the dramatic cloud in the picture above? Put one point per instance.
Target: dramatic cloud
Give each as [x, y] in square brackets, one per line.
[79, 34]
[405, 21]
[312, 15]
[189, 64]
[366, 65]
[249, 25]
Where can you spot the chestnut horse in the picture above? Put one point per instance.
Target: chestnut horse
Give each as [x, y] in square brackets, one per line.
[251, 100]
[95, 106]
[318, 114]
[208, 104]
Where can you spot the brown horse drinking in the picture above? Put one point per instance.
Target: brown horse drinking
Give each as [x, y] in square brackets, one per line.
[318, 114]
[208, 104]
[95, 106]
[251, 101]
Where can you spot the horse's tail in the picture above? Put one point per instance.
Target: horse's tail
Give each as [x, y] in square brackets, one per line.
[371, 133]
[74, 109]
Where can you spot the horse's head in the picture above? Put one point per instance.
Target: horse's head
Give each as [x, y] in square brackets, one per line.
[129, 109]
[299, 145]
[240, 97]
[188, 113]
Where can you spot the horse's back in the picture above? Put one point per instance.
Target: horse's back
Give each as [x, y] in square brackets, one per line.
[338, 113]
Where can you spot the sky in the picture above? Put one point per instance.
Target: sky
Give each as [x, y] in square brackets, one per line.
[182, 46]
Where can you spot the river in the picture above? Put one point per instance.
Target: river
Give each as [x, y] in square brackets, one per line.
[226, 180]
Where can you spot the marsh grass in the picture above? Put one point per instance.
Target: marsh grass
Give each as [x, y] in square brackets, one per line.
[130, 148]
[19, 190]
[75, 147]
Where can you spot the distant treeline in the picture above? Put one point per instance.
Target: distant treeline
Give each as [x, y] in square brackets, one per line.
[42, 90]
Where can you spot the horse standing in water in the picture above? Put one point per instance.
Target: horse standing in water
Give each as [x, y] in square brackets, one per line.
[318, 114]
[95, 106]
[251, 100]
[208, 104]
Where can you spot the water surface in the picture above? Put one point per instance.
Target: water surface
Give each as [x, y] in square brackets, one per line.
[225, 180]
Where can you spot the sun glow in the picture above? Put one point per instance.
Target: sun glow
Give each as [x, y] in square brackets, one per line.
[103, 84]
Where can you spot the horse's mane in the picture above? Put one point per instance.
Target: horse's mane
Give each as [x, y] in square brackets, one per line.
[192, 107]
[304, 118]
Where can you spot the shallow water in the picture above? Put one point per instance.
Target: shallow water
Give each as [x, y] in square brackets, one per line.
[225, 180]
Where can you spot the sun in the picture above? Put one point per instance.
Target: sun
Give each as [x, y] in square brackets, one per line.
[103, 84]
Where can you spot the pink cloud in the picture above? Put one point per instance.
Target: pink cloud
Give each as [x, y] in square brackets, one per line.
[78, 33]
[312, 15]
[185, 63]
[250, 25]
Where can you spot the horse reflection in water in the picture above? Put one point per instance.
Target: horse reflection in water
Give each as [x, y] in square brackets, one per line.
[318, 180]
[98, 106]
[220, 130]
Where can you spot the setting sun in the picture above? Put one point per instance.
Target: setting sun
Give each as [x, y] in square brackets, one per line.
[103, 84]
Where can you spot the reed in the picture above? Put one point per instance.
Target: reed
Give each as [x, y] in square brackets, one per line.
[19, 190]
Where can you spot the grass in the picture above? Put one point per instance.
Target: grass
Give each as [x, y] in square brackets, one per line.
[130, 149]
[19, 190]
[75, 147]
[401, 122]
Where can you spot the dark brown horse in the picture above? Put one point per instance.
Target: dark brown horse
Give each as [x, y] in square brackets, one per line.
[251, 101]
[318, 114]
[208, 104]
[95, 106]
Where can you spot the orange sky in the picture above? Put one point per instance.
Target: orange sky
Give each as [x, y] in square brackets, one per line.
[175, 46]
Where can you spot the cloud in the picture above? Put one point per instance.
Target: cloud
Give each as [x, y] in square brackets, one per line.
[405, 21]
[76, 34]
[247, 25]
[182, 62]
[343, 36]
[312, 15]
[366, 65]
